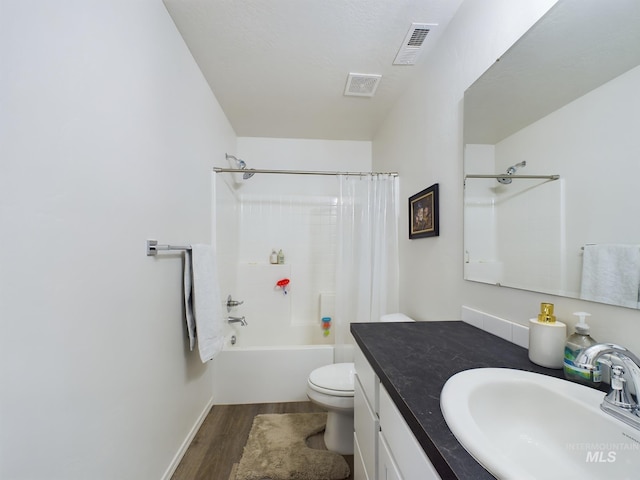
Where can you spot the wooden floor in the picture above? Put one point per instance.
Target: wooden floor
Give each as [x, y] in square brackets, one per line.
[222, 436]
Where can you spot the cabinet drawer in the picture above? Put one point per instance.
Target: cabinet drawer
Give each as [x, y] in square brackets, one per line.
[366, 426]
[368, 379]
[409, 456]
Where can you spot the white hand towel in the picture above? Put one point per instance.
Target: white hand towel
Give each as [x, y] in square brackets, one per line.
[611, 274]
[188, 300]
[207, 306]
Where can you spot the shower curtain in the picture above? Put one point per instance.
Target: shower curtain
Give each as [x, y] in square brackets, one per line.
[367, 263]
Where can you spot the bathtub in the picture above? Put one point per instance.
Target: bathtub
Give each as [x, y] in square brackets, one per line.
[269, 359]
[266, 374]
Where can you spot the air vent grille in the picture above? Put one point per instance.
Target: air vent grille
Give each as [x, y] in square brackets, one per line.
[412, 44]
[417, 37]
[362, 84]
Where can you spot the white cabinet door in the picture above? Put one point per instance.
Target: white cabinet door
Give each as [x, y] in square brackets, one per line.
[409, 456]
[359, 470]
[387, 468]
[366, 427]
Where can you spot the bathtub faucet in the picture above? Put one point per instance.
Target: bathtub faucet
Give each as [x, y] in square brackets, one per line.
[239, 320]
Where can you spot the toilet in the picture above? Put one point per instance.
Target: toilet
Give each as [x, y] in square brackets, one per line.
[331, 387]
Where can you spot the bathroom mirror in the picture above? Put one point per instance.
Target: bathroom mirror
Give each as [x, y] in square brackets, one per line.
[565, 101]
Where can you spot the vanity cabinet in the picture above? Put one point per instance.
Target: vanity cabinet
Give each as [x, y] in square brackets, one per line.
[384, 446]
[365, 419]
[387, 468]
[407, 460]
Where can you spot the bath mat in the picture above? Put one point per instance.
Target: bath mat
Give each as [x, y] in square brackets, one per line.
[276, 450]
[234, 469]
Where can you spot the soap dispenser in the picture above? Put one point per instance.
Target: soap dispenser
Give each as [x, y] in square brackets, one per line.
[547, 338]
[575, 343]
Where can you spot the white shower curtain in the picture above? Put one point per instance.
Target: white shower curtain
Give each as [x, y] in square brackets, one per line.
[367, 263]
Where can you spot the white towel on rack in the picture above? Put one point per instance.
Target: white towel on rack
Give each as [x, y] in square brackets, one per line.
[611, 274]
[207, 305]
[188, 300]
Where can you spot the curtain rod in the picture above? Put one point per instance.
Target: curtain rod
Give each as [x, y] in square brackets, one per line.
[298, 172]
[504, 175]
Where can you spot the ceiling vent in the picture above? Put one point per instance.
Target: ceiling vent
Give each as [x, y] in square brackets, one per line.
[362, 84]
[412, 44]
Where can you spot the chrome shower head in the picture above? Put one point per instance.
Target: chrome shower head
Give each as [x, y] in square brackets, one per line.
[241, 164]
[510, 171]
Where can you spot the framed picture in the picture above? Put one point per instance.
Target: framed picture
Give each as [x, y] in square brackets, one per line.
[423, 213]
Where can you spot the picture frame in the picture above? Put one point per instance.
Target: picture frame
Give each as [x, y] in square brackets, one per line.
[424, 213]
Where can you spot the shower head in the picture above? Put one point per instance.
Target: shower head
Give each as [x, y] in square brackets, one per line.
[241, 164]
[510, 171]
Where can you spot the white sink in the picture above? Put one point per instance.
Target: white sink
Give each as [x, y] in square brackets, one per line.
[522, 425]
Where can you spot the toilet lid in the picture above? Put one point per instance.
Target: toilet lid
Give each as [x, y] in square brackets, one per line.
[334, 379]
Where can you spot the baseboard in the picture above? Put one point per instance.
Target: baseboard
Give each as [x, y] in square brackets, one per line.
[187, 441]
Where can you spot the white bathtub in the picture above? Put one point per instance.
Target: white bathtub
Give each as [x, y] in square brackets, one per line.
[266, 374]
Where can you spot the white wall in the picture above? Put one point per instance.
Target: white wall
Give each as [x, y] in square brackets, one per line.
[422, 139]
[108, 135]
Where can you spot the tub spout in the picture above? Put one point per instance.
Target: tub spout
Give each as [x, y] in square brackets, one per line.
[239, 320]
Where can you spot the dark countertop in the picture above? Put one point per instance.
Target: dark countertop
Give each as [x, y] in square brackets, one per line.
[413, 362]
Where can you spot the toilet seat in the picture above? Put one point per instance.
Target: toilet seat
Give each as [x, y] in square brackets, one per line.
[336, 379]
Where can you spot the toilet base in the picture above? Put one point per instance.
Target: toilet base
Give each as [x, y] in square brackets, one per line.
[338, 435]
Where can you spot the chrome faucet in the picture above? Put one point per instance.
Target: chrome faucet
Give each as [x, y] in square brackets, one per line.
[239, 320]
[619, 402]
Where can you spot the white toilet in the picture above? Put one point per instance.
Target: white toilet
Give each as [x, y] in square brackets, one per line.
[331, 387]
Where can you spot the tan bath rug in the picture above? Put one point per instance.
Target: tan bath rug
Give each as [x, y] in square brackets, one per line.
[276, 450]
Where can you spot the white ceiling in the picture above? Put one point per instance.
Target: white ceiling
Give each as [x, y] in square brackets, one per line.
[279, 67]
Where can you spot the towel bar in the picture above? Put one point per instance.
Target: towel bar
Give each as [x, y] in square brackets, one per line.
[153, 247]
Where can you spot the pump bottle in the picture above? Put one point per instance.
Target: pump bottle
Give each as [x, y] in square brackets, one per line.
[546, 338]
[575, 343]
